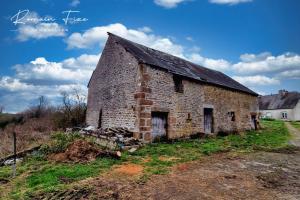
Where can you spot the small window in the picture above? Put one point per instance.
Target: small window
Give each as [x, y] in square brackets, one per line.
[284, 115]
[100, 119]
[178, 84]
[232, 116]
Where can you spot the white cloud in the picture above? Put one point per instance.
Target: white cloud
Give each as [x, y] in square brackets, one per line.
[256, 80]
[68, 71]
[254, 58]
[229, 2]
[12, 84]
[168, 3]
[40, 31]
[265, 62]
[74, 3]
[290, 74]
[217, 64]
[98, 35]
[48, 78]
[33, 28]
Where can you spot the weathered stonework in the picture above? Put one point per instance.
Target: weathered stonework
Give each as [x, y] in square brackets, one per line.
[128, 92]
[112, 88]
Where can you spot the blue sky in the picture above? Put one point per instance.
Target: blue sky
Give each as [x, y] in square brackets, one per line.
[254, 41]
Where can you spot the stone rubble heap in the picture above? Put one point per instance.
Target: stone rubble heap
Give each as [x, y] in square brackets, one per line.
[112, 138]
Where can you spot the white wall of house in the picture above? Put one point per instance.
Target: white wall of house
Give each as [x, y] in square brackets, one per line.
[291, 114]
[277, 114]
[296, 111]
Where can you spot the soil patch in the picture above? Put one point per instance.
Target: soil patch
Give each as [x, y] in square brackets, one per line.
[129, 169]
[182, 167]
[79, 151]
[262, 175]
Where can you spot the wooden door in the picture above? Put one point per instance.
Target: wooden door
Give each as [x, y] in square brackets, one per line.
[253, 122]
[208, 120]
[159, 124]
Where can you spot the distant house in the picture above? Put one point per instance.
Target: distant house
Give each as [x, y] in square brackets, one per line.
[284, 105]
[155, 94]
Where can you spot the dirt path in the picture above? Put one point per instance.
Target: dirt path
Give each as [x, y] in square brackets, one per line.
[226, 176]
[295, 134]
[261, 175]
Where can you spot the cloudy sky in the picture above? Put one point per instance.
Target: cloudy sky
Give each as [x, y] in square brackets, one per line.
[42, 53]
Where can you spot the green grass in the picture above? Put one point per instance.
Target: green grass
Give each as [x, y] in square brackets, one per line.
[43, 176]
[36, 174]
[274, 136]
[296, 125]
[56, 174]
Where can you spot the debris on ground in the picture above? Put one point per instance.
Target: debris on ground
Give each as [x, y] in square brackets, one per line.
[132, 150]
[73, 193]
[111, 138]
[3, 181]
[82, 151]
[9, 160]
[273, 179]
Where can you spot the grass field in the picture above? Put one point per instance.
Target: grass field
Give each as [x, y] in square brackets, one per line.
[37, 175]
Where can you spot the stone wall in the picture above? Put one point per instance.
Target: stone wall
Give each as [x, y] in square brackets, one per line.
[111, 89]
[225, 101]
[185, 110]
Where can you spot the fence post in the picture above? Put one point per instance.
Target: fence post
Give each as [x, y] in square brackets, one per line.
[15, 153]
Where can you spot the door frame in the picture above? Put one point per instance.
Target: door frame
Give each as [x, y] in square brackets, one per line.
[166, 116]
[211, 110]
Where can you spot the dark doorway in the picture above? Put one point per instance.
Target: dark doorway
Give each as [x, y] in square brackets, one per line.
[100, 119]
[208, 120]
[253, 122]
[159, 124]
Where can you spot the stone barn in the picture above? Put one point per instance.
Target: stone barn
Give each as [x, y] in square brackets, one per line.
[155, 94]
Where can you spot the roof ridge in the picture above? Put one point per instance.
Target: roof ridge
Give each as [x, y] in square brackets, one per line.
[109, 33]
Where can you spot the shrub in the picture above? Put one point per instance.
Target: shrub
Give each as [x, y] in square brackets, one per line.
[60, 141]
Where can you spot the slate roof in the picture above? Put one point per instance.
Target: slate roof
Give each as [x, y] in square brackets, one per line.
[180, 66]
[278, 101]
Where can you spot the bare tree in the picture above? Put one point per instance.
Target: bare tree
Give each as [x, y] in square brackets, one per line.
[40, 109]
[74, 107]
[1, 109]
[42, 106]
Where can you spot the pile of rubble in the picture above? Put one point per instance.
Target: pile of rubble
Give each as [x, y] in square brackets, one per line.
[112, 138]
[82, 151]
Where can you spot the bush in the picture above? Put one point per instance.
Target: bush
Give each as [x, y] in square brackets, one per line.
[268, 119]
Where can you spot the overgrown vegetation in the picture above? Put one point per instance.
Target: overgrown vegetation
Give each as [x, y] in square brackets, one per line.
[6, 118]
[59, 142]
[296, 125]
[37, 175]
[34, 125]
